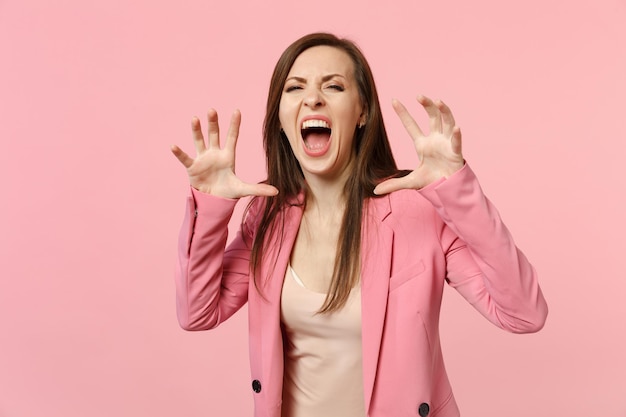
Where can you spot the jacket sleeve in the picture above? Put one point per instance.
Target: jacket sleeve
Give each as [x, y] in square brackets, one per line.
[211, 280]
[483, 263]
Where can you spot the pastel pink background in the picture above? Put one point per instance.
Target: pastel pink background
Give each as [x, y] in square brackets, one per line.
[92, 93]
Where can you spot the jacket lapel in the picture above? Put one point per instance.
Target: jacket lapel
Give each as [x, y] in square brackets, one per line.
[375, 271]
[279, 249]
[275, 266]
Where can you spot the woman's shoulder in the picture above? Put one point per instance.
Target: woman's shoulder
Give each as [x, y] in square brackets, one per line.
[401, 204]
[402, 198]
[257, 206]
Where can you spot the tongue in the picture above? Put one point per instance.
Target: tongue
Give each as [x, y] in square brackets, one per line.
[317, 139]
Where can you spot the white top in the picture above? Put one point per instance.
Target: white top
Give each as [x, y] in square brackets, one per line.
[323, 354]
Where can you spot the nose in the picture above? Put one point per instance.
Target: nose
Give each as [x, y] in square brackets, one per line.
[313, 98]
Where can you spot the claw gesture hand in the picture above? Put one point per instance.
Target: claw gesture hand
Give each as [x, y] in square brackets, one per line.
[439, 152]
[213, 169]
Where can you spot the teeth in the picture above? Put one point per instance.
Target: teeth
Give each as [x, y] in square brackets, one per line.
[314, 147]
[315, 123]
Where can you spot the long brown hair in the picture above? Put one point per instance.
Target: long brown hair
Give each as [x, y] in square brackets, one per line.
[374, 161]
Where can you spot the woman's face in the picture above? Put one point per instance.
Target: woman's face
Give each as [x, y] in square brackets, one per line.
[320, 109]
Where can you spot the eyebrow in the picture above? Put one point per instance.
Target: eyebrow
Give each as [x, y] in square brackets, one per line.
[324, 78]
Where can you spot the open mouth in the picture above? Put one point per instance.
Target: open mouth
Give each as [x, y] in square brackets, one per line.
[316, 135]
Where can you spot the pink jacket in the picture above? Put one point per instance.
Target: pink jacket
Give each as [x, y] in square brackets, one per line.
[414, 241]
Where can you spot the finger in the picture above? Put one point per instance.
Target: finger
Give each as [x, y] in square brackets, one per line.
[446, 117]
[407, 120]
[184, 159]
[456, 141]
[261, 190]
[393, 184]
[214, 129]
[434, 115]
[198, 139]
[233, 131]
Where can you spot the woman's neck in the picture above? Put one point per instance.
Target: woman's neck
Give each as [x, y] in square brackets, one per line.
[326, 193]
[326, 207]
[325, 198]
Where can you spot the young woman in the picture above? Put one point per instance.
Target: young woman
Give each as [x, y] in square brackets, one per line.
[341, 257]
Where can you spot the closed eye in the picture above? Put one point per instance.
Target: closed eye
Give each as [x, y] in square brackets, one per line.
[292, 88]
[336, 87]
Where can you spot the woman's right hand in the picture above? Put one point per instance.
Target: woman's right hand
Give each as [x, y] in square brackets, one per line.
[213, 169]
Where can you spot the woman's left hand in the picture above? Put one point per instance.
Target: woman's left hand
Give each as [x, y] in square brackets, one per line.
[439, 152]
